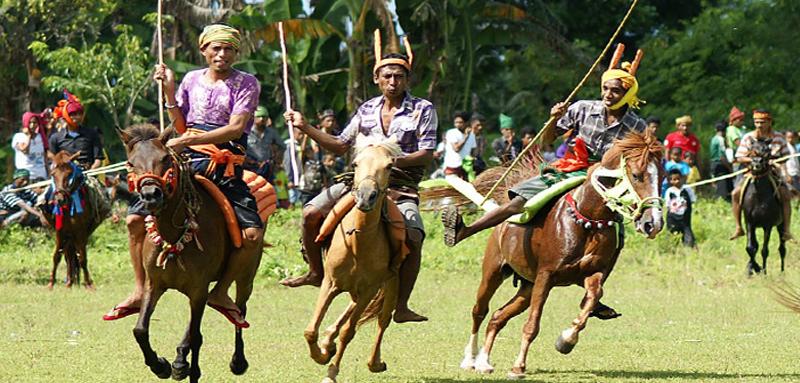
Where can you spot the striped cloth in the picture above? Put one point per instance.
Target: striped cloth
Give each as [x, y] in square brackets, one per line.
[9, 201]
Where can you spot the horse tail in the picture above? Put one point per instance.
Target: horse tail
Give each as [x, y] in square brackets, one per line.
[373, 309]
[787, 295]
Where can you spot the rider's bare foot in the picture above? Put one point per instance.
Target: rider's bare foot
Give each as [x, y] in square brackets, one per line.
[406, 315]
[737, 234]
[787, 236]
[453, 226]
[310, 279]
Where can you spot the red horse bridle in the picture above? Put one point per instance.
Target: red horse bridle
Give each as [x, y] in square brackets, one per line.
[168, 181]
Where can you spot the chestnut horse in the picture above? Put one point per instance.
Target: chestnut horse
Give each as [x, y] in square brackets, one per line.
[575, 242]
[74, 210]
[359, 261]
[178, 204]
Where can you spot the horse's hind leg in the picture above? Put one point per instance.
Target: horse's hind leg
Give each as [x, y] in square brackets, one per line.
[765, 248]
[390, 292]
[83, 261]
[541, 289]
[326, 294]
[594, 291]
[515, 306]
[491, 279]
[198, 303]
[752, 249]
[328, 342]
[141, 332]
[782, 246]
[56, 261]
[348, 332]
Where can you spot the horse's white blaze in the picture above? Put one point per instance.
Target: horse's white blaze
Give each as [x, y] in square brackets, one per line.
[468, 362]
[482, 363]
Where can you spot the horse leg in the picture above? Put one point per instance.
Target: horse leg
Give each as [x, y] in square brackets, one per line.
[69, 257]
[198, 304]
[158, 365]
[326, 294]
[541, 289]
[515, 306]
[752, 248]
[180, 366]
[83, 260]
[348, 332]
[782, 246]
[491, 280]
[56, 261]
[244, 288]
[765, 248]
[390, 296]
[594, 291]
[328, 342]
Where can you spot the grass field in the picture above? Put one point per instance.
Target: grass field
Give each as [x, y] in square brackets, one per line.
[688, 316]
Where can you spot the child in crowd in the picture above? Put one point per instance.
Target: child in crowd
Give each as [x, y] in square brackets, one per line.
[679, 200]
[674, 162]
[694, 173]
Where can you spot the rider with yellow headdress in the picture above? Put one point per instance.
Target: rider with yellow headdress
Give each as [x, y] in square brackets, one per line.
[595, 125]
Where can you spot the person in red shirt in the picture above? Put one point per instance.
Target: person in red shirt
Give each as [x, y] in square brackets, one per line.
[682, 137]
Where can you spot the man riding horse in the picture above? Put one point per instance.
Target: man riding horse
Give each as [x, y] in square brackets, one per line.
[599, 124]
[394, 113]
[762, 120]
[212, 106]
[77, 138]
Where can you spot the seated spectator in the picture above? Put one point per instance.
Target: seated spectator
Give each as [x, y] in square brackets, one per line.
[476, 124]
[506, 147]
[679, 200]
[17, 207]
[29, 148]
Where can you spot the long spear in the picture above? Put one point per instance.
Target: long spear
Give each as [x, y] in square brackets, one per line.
[160, 63]
[288, 101]
[551, 121]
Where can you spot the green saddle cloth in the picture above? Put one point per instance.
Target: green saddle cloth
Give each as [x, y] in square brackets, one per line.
[558, 184]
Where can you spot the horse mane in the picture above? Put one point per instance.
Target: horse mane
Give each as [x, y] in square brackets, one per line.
[140, 132]
[390, 144]
[634, 146]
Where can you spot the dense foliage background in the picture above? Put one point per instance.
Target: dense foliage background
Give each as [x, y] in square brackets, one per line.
[512, 56]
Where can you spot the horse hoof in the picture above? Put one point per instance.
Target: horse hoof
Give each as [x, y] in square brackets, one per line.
[328, 380]
[482, 364]
[239, 366]
[516, 374]
[180, 370]
[90, 287]
[380, 367]
[563, 345]
[50, 286]
[468, 363]
[162, 368]
[330, 351]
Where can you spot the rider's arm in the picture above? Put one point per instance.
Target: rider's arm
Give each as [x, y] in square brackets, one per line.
[561, 124]
[327, 141]
[419, 158]
[230, 132]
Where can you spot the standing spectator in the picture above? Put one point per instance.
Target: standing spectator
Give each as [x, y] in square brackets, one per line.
[506, 147]
[682, 137]
[476, 124]
[793, 164]
[694, 172]
[459, 142]
[328, 123]
[735, 130]
[675, 162]
[653, 124]
[263, 143]
[719, 162]
[29, 148]
[17, 207]
[679, 200]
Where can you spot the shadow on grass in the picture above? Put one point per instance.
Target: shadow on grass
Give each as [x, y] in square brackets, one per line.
[586, 375]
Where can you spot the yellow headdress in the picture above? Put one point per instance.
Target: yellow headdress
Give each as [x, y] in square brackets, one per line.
[379, 62]
[627, 75]
[220, 33]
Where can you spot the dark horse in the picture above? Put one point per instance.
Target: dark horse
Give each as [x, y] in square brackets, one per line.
[75, 209]
[201, 255]
[761, 205]
[575, 242]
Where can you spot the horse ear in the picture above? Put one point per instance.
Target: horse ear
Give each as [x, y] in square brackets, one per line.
[74, 156]
[166, 135]
[392, 139]
[125, 137]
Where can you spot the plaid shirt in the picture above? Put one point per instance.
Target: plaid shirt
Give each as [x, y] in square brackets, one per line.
[414, 124]
[778, 145]
[588, 118]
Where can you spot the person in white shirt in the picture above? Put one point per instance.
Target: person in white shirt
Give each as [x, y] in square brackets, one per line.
[459, 142]
[29, 148]
[679, 199]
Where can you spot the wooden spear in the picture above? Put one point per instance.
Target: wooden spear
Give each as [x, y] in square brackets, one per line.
[288, 101]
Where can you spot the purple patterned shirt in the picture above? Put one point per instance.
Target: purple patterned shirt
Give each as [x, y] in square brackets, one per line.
[414, 124]
[214, 104]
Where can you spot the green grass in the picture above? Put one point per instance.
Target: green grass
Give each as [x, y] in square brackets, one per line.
[688, 316]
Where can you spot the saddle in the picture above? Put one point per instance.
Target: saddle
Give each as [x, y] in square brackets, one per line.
[391, 214]
[261, 190]
[533, 205]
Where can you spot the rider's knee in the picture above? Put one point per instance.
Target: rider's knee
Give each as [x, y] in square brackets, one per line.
[134, 222]
[517, 204]
[312, 216]
[252, 236]
[415, 237]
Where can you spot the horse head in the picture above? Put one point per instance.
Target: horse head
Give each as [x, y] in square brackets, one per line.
[373, 163]
[152, 167]
[760, 155]
[67, 176]
[628, 179]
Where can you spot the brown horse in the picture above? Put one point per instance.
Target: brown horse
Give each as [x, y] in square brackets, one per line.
[359, 261]
[75, 210]
[588, 227]
[175, 200]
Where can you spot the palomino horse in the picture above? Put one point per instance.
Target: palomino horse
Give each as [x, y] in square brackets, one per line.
[75, 210]
[175, 200]
[587, 225]
[761, 205]
[359, 261]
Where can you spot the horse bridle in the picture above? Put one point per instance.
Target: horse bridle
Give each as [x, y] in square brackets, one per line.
[369, 178]
[168, 181]
[622, 198]
[73, 185]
